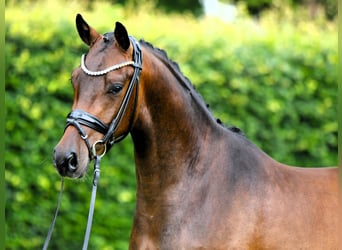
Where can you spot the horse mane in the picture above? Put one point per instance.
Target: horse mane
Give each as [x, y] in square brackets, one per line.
[187, 83]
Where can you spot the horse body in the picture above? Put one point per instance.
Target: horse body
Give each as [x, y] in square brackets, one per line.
[200, 185]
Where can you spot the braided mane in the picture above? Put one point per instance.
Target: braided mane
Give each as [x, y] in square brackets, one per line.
[185, 81]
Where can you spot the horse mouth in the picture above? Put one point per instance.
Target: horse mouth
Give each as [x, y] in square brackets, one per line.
[74, 174]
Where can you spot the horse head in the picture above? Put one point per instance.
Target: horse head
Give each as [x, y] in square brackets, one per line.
[105, 98]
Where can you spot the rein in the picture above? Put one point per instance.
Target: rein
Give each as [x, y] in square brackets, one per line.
[77, 118]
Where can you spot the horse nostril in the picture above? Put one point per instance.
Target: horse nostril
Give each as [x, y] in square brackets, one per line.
[72, 162]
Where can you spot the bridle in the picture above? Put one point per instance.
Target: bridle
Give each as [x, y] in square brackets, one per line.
[78, 117]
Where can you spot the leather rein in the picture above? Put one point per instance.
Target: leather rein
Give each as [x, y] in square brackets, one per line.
[78, 117]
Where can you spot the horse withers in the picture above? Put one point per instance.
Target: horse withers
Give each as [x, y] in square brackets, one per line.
[200, 185]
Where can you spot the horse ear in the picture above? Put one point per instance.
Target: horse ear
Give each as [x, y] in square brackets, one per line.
[121, 36]
[87, 33]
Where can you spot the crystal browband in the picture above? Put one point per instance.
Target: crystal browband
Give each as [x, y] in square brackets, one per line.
[105, 71]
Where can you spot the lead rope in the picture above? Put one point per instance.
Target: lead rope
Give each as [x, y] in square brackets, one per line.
[48, 237]
[97, 160]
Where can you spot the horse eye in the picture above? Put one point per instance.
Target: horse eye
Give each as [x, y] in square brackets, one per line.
[115, 88]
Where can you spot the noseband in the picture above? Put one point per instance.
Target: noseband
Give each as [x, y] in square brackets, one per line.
[79, 117]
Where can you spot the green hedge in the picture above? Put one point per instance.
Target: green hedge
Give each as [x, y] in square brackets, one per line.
[274, 80]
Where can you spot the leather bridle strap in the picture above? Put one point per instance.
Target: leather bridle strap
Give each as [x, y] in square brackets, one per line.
[86, 119]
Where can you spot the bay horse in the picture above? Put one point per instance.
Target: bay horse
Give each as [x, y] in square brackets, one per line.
[200, 185]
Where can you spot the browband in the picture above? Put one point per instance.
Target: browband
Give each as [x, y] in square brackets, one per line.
[105, 71]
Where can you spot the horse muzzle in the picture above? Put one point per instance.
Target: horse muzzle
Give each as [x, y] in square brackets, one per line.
[66, 164]
[70, 160]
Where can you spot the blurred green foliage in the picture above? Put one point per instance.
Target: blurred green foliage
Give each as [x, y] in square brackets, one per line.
[254, 7]
[275, 79]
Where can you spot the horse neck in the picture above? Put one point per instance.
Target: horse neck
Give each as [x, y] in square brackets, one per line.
[171, 127]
